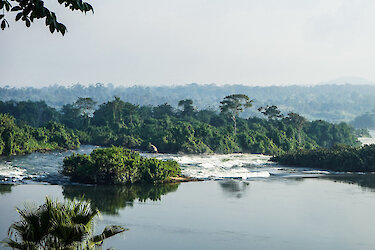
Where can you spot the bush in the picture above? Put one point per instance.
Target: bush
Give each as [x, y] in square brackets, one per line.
[340, 158]
[117, 165]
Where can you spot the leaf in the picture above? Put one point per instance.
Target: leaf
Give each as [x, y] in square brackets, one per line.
[108, 231]
[51, 28]
[27, 22]
[18, 16]
[1, 17]
[7, 5]
[16, 8]
[3, 25]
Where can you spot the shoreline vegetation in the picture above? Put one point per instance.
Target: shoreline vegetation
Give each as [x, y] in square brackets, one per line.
[30, 126]
[122, 127]
[339, 158]
[23, 139]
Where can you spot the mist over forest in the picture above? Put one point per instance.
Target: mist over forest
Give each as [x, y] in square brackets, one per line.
[334, 103]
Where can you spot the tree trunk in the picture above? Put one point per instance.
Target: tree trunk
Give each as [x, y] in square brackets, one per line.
[235, 124]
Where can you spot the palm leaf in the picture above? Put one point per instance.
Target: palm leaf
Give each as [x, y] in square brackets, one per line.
[108, 231]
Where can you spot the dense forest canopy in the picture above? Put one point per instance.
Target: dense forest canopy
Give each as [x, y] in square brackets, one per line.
[329, 102]
[170, 130]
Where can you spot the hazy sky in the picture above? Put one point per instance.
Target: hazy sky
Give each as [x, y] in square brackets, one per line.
[165, 42]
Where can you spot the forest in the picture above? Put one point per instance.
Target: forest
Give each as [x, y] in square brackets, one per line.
[330, 102]
[23, 138]
[184, 129]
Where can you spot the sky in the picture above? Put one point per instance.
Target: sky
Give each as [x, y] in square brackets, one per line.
[173, 42]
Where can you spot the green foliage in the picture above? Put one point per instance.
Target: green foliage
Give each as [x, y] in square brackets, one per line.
[330, 102]
[35, 114]
[340, 158]
[57, 225]
[188, 108]
[121, 123]
[272, 112]
[25, 139]
[117, 165]
[28, 10]
[234, 105]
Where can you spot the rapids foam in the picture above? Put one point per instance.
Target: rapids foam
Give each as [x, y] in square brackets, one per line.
[217, 166]
[11, 174]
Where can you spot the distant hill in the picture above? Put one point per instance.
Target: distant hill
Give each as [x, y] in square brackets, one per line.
[330, 102]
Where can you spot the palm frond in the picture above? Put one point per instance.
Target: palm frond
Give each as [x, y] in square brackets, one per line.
[19, 245]
[108, 231]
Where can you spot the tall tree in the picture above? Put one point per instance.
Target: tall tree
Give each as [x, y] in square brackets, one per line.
[233, 105]
[272, 112]
[162, 110]
[86, 105]
[28, 10]
[298, 121]
[71, 116]
[188, 108]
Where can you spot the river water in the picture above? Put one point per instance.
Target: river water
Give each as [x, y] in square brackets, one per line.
[246, 202]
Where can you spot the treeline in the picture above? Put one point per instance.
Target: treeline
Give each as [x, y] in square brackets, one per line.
[341, 158]
[329, 102]
[365, 121]
[185, 129]
[23, 138]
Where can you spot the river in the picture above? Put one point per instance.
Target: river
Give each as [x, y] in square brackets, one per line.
[246, 202]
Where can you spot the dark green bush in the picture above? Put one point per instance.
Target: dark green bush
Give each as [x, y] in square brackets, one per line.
[117, 165]
[340, 158]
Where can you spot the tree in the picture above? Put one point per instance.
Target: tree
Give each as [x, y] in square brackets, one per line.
[110, 113]
[234, 105]
[57, 225]
[70, 116]
[272, 112]
[162, 110]
[85, 105]
[298, 121]
[188, 108]
[28, 10]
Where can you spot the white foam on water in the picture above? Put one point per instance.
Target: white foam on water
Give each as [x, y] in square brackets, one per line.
[219, 166]
[9, 173]
[46, 167]
[239, 166]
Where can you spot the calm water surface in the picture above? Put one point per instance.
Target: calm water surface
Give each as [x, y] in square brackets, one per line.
[287, 209]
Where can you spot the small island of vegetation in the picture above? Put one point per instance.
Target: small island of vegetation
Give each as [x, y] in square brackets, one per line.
[117, 165]
[341, 158]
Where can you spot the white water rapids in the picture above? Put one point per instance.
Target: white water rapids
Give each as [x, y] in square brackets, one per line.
[46, 167]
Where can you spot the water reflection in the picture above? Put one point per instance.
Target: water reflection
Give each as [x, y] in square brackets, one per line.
[5, 188]
[111, 199]
[234, 188]
[366, 181]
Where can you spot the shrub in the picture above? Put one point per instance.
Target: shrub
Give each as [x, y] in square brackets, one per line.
[117, 165]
